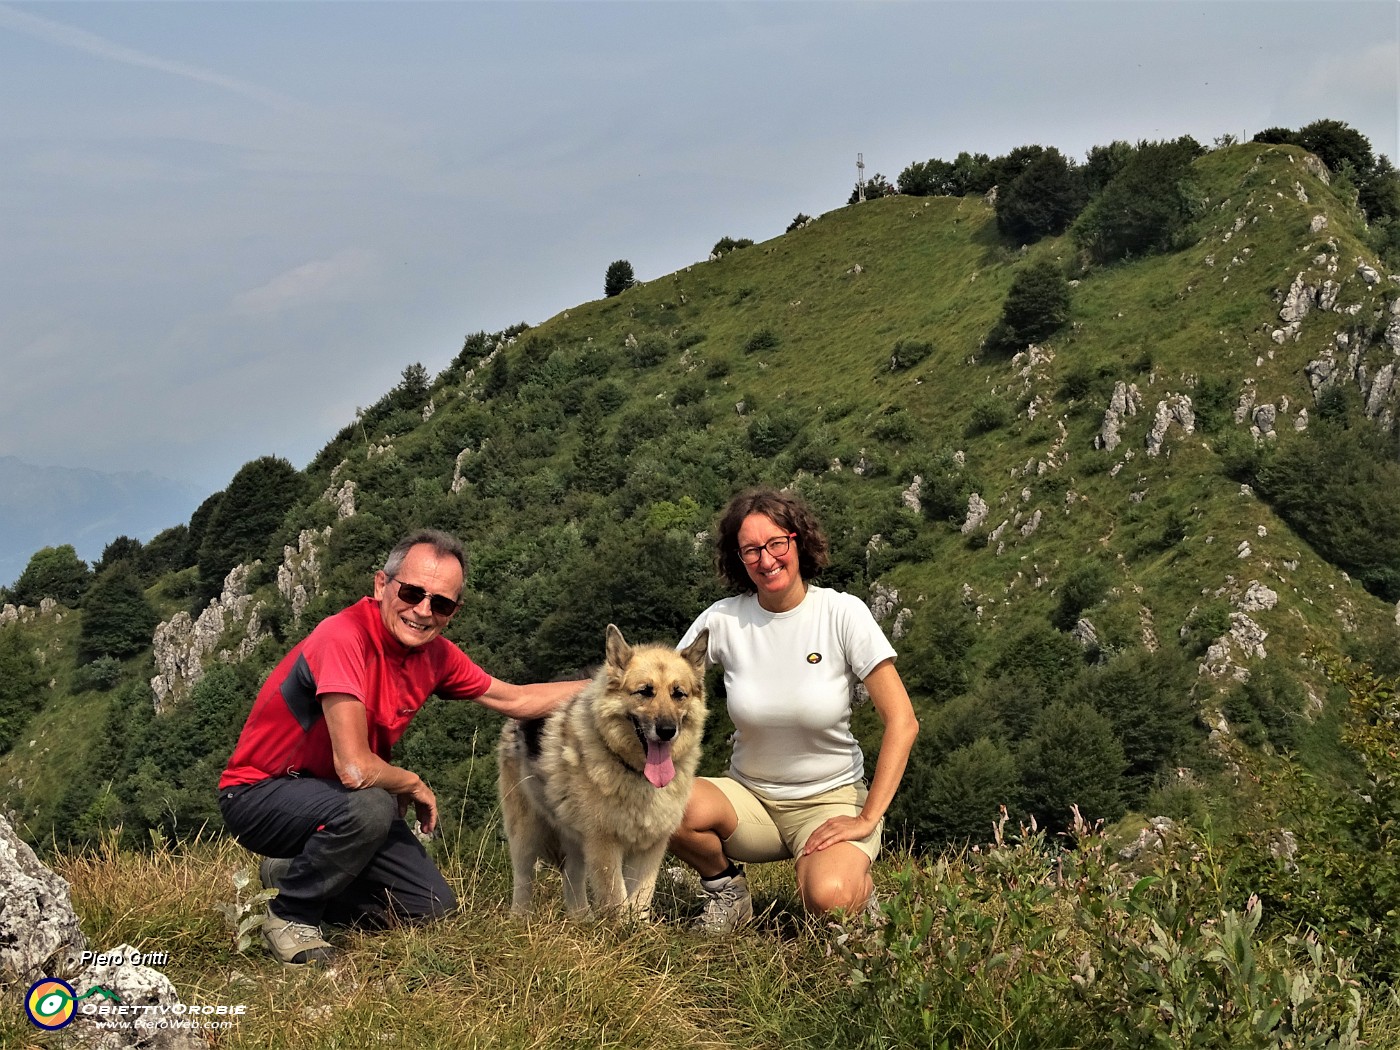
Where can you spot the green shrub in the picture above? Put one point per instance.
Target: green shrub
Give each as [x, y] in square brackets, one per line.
[1147, 207]
[909, 352]
[117, 617]
[763, 339]
[933, 660]
[1339, 488]
[1041, 201]
[610, 395]
[22, 690]
[893, 426]
[989, 412]
[649, 350]
[238, 530]
[1213, 402]
[1204, 624]
[688, 391]
[725, 245]
[1028, 945]
[770, 434]
[717, 368]
[101, 674]
[52, 572]
[1072, 759]
[1268, 708]
[1084, 587]
[952, 799]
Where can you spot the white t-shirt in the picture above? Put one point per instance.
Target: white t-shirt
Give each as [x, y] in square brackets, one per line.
[790, 678]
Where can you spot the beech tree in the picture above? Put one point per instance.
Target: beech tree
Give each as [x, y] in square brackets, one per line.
[1036, 307]
[1072, 758]
[21, 684]
[52, 572]
[1041, 200]
[1145, 208]
[118, 620]
[250, 511]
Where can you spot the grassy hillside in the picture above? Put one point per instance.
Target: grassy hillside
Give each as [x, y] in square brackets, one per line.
[587, 453]
[1148, 591]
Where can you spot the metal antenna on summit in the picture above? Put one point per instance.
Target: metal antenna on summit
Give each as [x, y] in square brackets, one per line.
[860, 176]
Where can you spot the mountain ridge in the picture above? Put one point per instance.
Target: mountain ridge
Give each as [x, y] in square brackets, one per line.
[46, 506]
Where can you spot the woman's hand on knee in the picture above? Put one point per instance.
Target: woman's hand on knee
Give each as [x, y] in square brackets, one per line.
[839, 829]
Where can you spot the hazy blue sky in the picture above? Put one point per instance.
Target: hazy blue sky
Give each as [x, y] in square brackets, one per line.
[223, 226]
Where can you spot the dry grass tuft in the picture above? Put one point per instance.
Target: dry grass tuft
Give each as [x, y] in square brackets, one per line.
[479, 978]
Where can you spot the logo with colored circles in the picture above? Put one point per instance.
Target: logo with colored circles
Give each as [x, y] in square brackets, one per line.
[51, 1003]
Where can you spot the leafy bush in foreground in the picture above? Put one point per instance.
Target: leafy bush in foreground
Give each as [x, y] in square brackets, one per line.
[1032, 945]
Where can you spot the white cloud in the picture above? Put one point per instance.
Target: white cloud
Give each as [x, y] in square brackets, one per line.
[336, 279]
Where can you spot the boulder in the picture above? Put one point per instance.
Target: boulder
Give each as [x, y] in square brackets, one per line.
[39, 931]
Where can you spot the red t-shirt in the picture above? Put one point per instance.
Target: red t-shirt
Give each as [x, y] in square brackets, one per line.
[351, 652]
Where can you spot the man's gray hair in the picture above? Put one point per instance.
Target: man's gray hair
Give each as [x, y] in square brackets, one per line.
[447, 546]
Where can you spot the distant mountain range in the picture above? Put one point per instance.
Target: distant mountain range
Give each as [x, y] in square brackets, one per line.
[49, 506]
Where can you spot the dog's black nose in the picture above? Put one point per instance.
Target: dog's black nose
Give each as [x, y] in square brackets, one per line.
[665, 730]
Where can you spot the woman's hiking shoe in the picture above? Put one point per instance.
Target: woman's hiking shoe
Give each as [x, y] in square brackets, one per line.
[294, 943]
[727, 905]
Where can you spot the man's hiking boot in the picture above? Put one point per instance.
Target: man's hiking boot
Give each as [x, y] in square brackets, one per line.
[727, 906]
[271, 871]
[294, 943]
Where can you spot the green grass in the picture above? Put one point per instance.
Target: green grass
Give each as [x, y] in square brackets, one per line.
[1009, 928]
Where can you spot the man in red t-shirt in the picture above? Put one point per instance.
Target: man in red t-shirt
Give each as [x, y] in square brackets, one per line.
[310, 784]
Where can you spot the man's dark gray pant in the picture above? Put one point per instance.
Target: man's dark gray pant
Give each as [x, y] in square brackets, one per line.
[355, 861]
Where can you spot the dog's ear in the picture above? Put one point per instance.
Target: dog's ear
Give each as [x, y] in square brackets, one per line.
[697, 650]
[619, 652]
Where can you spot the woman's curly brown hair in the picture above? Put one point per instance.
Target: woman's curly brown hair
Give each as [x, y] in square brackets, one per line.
[789, 513]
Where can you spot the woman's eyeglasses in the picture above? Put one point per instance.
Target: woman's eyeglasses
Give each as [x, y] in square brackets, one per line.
[413, 595]
[776, 547]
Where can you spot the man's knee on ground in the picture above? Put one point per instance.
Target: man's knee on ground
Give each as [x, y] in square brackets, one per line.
[370, 812]
[442, 905]
[423, 903]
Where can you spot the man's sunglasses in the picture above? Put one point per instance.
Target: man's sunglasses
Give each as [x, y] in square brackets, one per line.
[411, 594]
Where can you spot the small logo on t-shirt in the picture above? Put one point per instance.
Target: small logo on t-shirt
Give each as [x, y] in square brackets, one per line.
[814, 658]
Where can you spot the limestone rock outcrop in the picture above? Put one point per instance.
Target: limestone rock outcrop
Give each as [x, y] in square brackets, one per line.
[181, 645]
[1173, 409]
[299, 575]
[1126, 401]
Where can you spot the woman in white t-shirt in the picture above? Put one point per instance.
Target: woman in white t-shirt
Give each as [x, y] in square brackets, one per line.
[792, 654]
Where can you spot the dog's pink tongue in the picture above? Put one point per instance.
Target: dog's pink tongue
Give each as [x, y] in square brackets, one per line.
[659, 769]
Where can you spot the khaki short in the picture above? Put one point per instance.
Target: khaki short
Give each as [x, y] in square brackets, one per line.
[776, 829]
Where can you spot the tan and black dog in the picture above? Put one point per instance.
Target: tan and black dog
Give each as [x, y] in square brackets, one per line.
[598, 786]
